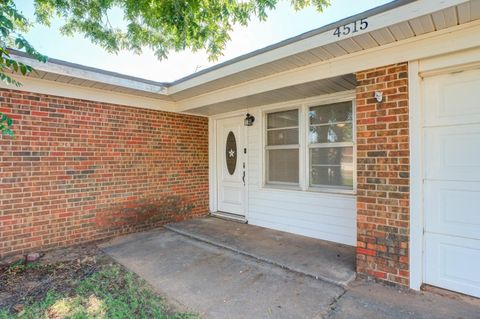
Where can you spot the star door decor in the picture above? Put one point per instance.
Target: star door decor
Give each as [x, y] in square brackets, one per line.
[231, 153]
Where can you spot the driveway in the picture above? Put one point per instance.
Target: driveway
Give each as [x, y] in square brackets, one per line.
[218, 282]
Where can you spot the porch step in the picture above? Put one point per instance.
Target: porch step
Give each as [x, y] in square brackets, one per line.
[229, 217]
[330, 262]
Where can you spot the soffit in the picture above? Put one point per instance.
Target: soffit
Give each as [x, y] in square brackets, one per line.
[301, 91]
[461, 13]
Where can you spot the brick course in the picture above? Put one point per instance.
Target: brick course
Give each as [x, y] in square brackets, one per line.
[383, 174]
[80, 171]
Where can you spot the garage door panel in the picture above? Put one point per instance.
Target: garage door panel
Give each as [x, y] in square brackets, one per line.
[451, 146]
[453, 208]
[453, 153]
[452, 98]
[453, 263]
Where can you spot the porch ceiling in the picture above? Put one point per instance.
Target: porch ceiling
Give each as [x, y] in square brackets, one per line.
[326, 86]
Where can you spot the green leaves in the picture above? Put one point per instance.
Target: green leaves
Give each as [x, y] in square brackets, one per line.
[11, 22]
[5, 125]
[161, 25]
[10, 65]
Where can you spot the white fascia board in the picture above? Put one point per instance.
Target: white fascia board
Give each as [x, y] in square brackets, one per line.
[428, 45]
[92, 76]
[36, 85]
[403, 13]
[453, 63]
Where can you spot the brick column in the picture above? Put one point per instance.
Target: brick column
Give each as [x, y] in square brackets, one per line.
[383, 174]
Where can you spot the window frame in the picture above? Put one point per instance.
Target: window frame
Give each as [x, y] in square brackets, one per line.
[309, 146]
[304, 145]
[267, 148]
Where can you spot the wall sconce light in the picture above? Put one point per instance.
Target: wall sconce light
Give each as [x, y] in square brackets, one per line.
[379, 96]
[249, 119]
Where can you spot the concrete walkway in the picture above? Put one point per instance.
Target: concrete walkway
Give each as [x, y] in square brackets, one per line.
[218, 282]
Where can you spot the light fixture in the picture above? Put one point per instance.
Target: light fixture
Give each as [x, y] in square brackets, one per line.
[249, 119]
[379, 96]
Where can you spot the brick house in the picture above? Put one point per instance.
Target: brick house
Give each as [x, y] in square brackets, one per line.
[356, 133]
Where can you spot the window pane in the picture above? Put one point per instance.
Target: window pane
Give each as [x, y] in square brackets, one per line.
[283, 137]
[282, 119]
[331, 166]
[338, 112]
[331, 155]
[330, 133]
[331, 176]
[282, 166]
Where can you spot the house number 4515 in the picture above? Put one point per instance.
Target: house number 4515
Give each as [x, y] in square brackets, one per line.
[351, 28]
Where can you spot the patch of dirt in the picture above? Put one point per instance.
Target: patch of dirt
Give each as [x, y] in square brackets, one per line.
[60, 270]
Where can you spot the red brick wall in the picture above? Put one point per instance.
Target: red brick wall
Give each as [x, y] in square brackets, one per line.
[79, 171]
[383, 174]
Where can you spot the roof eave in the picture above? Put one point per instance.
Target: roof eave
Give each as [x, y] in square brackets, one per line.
[79, 71]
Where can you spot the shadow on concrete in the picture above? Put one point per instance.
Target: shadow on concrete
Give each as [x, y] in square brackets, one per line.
[330, 262]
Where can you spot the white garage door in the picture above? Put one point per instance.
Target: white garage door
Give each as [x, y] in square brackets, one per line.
[452, 181]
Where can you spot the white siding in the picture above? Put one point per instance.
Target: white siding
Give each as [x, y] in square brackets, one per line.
[320, 215]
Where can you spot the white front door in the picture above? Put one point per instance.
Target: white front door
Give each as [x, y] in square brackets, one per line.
[452, 181]
[231, 165]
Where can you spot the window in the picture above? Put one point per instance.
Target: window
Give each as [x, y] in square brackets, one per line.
[282, 148]
[330, 138]
[323, 138]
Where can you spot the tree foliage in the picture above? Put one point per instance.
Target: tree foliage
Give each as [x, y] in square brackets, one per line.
[6, 125]
[161, 25]
[12, 25]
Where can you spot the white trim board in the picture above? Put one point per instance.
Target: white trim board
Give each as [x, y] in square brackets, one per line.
[91, 75]
[212, 164]
[450, 62]
[41, 86]
[416, 176]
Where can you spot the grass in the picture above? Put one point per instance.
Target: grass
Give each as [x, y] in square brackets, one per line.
[20, 266]
[109, 293]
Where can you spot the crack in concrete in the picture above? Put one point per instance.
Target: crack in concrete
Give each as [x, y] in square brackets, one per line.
[327, 314]
[342, 284]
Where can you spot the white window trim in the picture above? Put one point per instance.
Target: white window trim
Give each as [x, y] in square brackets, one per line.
[353, 144]
[267, 147]
[304, 158]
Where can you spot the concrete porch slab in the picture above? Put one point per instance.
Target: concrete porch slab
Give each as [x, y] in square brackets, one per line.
[330, 262]
[218, 283]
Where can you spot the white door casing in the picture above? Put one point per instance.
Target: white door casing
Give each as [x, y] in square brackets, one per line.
[231, 178]
[451, 181]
